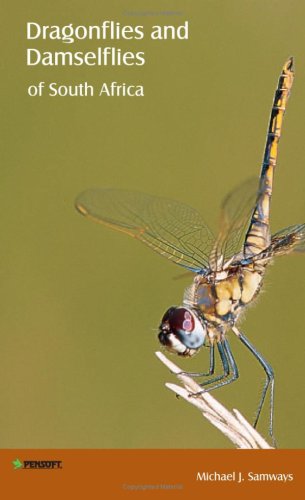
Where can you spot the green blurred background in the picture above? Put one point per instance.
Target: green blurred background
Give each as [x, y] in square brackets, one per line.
[80, 304]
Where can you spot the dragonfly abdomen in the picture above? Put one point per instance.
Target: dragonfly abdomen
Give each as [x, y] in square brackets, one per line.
[258, 235]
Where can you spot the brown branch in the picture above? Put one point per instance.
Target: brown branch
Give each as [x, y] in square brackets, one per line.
[232, 424]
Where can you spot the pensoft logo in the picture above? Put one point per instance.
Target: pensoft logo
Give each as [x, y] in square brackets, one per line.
[37, 464]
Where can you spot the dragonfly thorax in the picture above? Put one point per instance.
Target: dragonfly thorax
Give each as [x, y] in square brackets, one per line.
[221, 297]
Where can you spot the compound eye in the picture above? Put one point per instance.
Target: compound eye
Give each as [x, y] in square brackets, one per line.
[182, 319]
[182, 327]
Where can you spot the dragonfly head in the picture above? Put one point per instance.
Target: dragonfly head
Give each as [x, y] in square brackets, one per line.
[181, 331]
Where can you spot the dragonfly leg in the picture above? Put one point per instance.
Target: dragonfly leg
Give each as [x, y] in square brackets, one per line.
[230, 371]
[211, 369]
[231, 359]
[225, 365]
[268, 382]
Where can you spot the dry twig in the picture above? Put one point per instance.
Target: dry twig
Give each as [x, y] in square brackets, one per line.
[231, 424]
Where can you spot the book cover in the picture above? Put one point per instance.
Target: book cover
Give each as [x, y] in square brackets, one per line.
[151, 119]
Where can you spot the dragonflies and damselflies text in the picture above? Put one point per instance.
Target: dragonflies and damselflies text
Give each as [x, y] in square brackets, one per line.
[229, 269]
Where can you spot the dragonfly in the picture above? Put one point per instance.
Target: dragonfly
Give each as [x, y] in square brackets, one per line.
[228, 269]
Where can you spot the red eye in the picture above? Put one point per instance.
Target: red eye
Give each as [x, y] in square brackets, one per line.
[182, 331]
[179, 319]
[188, 323]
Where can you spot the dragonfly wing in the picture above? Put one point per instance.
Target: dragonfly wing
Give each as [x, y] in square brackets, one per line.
[290, 239]
[170, 228]
[236, 210]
